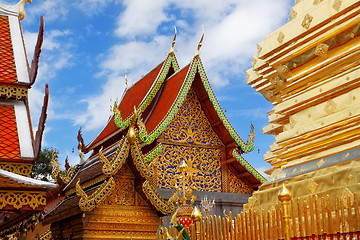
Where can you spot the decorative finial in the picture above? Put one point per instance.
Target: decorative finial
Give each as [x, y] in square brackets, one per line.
[22, 9]
[284, 194]
[126, 80]
[196, 214]
[173, 43]
[197, 53]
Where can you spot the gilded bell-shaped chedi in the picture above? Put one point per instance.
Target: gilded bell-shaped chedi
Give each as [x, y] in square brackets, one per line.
[310, 69]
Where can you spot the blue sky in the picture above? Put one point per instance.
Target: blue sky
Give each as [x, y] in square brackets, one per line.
[89, 44]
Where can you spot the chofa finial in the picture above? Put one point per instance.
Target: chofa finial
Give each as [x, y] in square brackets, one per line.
[22, 9]
[173, 43]
[126, 80]
[197, 53]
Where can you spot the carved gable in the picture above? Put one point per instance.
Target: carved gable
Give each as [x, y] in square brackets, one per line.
[190, 137]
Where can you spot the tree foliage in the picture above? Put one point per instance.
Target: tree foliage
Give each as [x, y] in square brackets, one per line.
[42, 168]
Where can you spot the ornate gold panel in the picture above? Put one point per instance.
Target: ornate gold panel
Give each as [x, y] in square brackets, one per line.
[18, 168]
[238, 186]
[124, 193]
[206, 160]
[190, 137]
[190, 125]
[18, 199]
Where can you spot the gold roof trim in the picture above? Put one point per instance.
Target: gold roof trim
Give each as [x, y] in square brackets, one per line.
[197, 53]
[22, 9]
[173, 43]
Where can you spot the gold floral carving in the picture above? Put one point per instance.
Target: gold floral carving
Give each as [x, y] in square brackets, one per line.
[124, 192]
[292, 122]
[23, 169]
[330, 107]
[277, 82]
[238, 186]
[166, 207]
[55, 171]
[13, 91]
[190, 137]
[337, 5]
[111, 167]
[350, 176]
[312, 185]
[307, 21]
[316, 2]
[259, 48]
[17, 199]
[191, 126]
[205, 160]
[293, 14]
[321, 162]
[282, 69]
[88, 203]
[321, 50]
[281, 37]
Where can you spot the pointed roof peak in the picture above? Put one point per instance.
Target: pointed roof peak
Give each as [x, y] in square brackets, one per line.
[17, 10]
[171, 52]
[197, 53]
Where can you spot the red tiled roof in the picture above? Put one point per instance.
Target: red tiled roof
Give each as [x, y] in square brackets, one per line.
[9, 140]
[7, 64]
[133, 97]
[167, 98]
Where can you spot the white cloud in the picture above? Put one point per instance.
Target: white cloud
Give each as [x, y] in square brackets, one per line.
[55, 56]
[92, 7]
[141, 17]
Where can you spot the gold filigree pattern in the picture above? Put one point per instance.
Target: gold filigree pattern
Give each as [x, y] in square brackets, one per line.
[307, 21]
[190, 125]
[206, 160]
[124, 192]
[23, 169]
[111, 167]
[238, 186]
[13, 92]
[190, 137]
[166, 207]
[88, 203]
[281, 37]
[16, 199]
[55, 171]
[312, 185]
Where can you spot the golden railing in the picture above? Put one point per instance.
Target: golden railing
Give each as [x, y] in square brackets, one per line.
[309, 218]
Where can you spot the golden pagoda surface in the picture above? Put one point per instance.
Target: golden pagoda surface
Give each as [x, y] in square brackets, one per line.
[309, 70]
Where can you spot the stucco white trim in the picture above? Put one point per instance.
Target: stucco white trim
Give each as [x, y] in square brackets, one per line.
[10, 10]
[26, 180]
[21, 66]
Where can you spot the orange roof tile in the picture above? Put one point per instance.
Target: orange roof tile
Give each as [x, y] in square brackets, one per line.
[9, 140]
[7, 64]
[132, 97]
[167, 98]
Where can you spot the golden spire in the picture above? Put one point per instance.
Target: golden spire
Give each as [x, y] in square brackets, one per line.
[200, 43]
[173, 43]
[126, 80]
[22, 9]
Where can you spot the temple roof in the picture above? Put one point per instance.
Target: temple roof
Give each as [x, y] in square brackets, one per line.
[26, 181]
[13, 61]
[140, 95]
[15, 134]
[158, 110]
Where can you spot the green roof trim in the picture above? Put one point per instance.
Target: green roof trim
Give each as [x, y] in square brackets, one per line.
[170, 61]
[245, 147]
